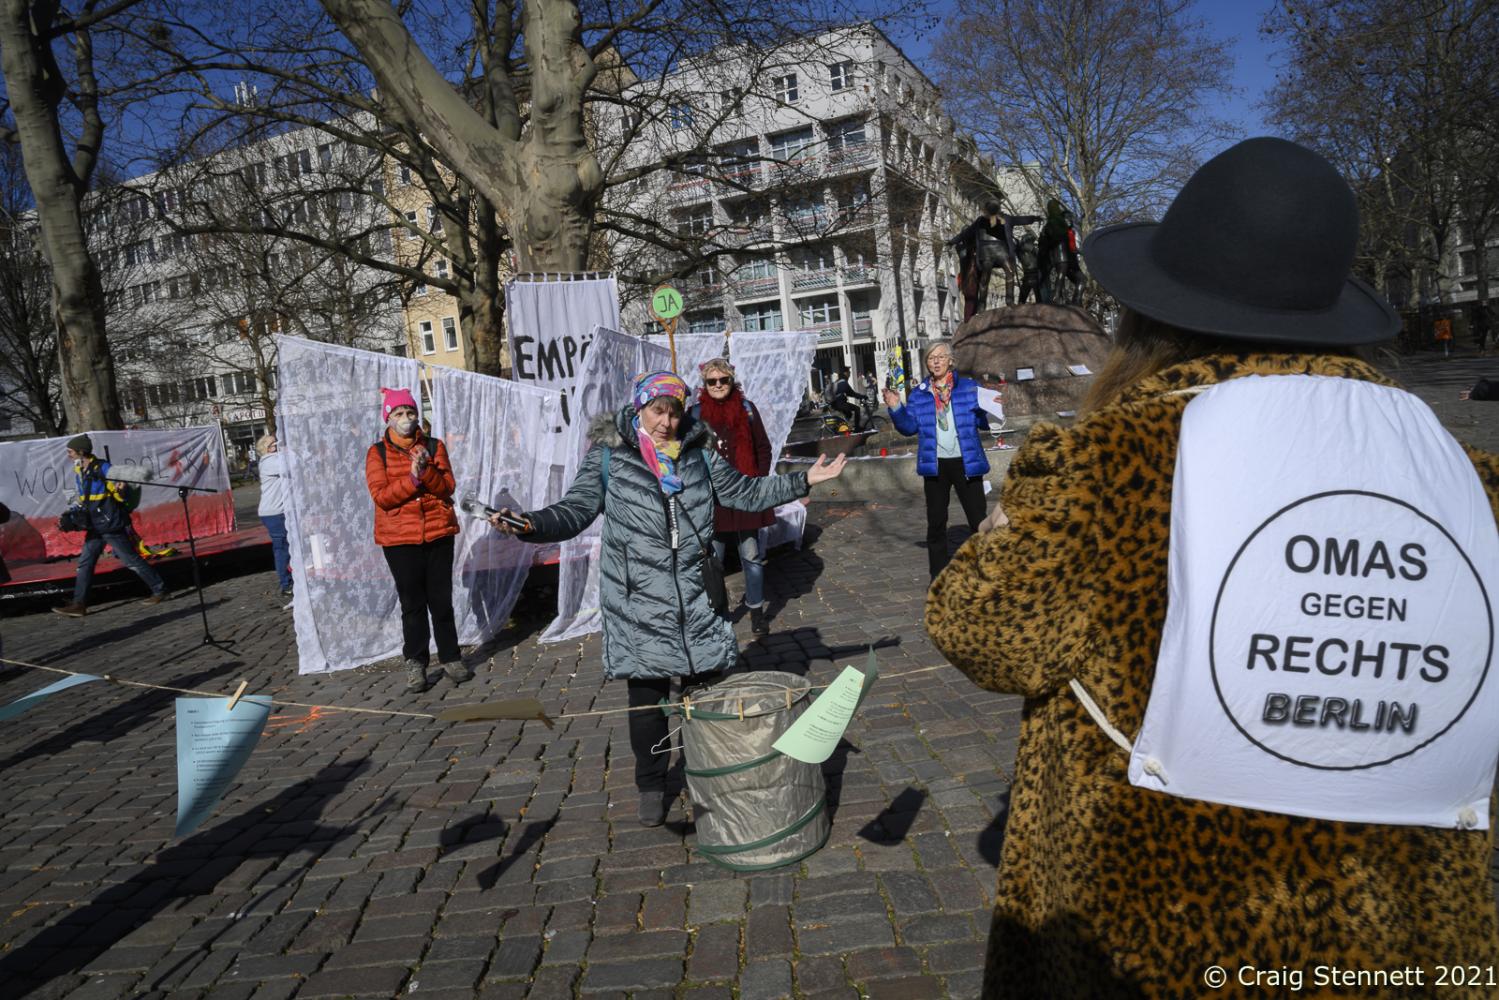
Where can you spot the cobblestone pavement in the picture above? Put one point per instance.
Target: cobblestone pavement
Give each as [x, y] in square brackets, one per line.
[373, 856]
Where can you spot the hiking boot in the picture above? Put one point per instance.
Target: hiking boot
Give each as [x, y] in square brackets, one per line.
[416, 677]
[458, 671]
[73, 610]
[759, 623]
[653, 807]
[155, 598]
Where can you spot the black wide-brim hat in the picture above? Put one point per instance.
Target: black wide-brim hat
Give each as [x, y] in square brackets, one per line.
[1258, 245]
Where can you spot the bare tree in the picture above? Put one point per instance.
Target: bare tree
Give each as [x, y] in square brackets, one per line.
[1105, 103]
[1401, 96]
[30, 386]
[43, 104]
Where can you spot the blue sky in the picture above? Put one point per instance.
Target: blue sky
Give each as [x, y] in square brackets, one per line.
[1235, 21]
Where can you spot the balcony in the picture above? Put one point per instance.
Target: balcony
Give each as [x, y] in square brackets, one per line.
[863, 327]
[806, 281]
[743, 178]
[827, 333]
[686, 190]
[803, 223]
[860, 274]
[744, 234]
[850, 157]
[755, 288]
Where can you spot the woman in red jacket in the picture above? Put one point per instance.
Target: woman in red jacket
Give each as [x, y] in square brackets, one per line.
[412, 485]
[743, 442]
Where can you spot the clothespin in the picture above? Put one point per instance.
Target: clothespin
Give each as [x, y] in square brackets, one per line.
[788, 699]
[687, 707]
[741, 709]
[238, 692]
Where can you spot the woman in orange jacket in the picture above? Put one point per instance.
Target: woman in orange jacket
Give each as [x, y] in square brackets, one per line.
[411, 482]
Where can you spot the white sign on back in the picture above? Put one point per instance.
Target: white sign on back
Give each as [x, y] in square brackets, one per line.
[1330, 636]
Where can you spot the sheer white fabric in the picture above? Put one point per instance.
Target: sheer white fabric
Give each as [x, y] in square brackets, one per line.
[772, 367]
[327, 416]
[613, 360]
[550, 325]
[692, 350]
[498, 438]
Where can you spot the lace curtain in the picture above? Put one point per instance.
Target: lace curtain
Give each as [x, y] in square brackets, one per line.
[498, 435]
[327, 415]
[613, 360]
[550, 325]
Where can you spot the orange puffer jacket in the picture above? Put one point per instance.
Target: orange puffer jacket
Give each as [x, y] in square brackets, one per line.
[408, 513]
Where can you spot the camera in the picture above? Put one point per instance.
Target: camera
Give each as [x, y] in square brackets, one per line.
[73, 519]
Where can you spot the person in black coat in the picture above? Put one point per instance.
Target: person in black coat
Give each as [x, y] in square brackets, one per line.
[984, 244]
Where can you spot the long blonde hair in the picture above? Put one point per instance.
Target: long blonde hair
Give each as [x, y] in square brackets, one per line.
[1144, 346]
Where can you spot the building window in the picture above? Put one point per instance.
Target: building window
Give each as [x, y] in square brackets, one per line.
[679, 116]
[441, 269]
[697, 222]
[405, 173]
[710, 321]
[239, 382]
[420, 290]
[449, 334]
[325, 156]
[765, 317]
[429, 342]
[434, 221]
[411, 221]
[816, 312]
[631, 120]
[840, 75]
[786, 88]
[789, 145]
[844, 134]
[758, 267]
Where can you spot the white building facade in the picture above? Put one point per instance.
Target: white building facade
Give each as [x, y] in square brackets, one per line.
[823, 197]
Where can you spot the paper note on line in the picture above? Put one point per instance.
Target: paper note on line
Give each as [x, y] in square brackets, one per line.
[1079, 369]
[813, 737]
[1024, 374]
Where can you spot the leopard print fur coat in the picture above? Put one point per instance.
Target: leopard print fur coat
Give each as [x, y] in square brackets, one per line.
[1108, 890]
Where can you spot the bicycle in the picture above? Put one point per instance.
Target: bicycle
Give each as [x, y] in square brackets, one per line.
[834, 422]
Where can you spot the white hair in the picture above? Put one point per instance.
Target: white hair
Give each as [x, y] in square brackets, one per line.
[941, 345]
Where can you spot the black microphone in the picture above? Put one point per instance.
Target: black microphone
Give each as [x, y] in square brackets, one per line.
[471, 506]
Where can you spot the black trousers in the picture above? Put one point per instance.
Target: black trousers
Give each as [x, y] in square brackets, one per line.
[647, 729]
[849, 410]
[424, 583]
[939, 489]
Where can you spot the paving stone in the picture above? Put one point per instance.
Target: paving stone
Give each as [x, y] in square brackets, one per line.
[641, 944]
[566, 948]
[664, 908]
[958, 956]
[815, 974]
[882, 963]
[934, 928]
[842, 938]
[515, 958]
[716, 901]
[766, 979]
[715, 953]
[433, 976]
[640, 974]
[767, 932]
[910, 988]
[384, 981]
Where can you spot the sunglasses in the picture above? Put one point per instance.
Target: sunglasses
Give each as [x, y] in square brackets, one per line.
[718, 381]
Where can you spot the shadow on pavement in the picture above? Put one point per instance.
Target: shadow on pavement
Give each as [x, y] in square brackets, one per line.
[530, 835]
[193, 867]
[992, 838]
[896, 819]
[119, 720]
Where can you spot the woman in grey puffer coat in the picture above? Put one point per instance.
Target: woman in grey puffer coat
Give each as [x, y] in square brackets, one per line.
[663, 474]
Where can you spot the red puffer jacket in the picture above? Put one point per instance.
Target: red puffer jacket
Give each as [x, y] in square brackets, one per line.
[408, 513]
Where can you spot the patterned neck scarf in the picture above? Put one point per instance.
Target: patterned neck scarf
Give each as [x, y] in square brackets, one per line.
[942, 391]
[661, 460]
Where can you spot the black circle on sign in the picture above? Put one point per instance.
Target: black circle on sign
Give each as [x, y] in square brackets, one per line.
[1213, 631]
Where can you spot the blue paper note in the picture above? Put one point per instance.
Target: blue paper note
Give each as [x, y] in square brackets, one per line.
[212, 745]
[24, 702]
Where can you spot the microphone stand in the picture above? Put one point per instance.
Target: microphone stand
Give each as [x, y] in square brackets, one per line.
[192, 547]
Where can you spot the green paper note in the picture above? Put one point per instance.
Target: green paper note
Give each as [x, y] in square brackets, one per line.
[813, 737]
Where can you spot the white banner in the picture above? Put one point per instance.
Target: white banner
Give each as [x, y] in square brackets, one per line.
[327, 416]
[772, 367]
[604, 387]
[37, 482]
[1329, 643]
[498, 441]
[550, 324]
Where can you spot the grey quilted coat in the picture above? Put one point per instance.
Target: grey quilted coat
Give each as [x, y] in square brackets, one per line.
[657, 619]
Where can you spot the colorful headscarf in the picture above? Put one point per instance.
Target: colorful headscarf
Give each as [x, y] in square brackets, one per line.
[654, 385]
[660, 459]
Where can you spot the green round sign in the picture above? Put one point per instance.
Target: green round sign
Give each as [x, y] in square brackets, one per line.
[666, 303]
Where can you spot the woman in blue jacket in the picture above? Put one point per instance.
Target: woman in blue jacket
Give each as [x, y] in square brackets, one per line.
[943, 414]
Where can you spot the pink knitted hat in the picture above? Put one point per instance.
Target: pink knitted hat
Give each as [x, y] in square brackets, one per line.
[393, 398]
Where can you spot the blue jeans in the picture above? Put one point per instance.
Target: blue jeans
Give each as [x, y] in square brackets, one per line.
[93, 547]
[275, 526]
[751, 558]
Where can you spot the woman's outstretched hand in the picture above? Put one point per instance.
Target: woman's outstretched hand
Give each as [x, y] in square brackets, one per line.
[892, 399]
[497, 522]
[824, 470]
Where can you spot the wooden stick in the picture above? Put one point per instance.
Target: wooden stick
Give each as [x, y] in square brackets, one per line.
[239, 691]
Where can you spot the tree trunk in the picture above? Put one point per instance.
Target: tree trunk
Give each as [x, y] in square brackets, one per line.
[546, 184]
[35, 86]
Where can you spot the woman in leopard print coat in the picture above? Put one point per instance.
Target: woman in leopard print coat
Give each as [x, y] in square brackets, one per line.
[1110, 890]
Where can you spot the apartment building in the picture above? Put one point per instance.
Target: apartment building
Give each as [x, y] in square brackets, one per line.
[823, 196]
[192, 318]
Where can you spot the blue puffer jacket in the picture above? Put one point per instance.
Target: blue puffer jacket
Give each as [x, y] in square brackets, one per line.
[919, 418]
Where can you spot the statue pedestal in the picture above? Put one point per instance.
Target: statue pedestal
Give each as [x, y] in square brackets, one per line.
[1047, 341]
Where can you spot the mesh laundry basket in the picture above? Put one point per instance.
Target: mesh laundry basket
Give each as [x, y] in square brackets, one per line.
[754, 807]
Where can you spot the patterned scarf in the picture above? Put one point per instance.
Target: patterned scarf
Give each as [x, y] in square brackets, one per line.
[661, 460]
[942, 392]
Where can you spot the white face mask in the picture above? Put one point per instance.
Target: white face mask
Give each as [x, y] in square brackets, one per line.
[403, 425]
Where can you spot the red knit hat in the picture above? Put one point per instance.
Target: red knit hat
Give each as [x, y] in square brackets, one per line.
[393, 398]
